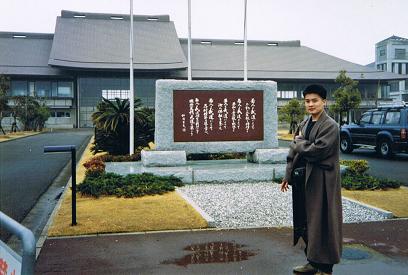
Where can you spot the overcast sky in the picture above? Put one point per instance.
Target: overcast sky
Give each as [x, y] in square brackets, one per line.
[347, 29]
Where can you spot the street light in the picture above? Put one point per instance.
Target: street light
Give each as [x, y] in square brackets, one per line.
[72, 149]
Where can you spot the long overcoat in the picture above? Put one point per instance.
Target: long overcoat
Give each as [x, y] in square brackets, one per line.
[322, 188]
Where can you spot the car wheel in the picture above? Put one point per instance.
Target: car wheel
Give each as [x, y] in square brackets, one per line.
[345, 144]
[384, 148]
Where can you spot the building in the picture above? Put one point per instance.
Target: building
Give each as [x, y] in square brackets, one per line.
[391, 55]
[87, 59]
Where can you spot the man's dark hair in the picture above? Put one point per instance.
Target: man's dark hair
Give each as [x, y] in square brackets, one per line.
[315, 89]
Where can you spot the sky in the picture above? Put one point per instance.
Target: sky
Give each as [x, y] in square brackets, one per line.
[347, 29]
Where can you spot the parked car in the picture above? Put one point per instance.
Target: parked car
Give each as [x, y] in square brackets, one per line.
[385, 128]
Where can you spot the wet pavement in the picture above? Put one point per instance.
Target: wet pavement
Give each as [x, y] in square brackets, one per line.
[370, 248]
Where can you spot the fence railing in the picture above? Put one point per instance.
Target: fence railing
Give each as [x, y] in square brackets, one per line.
[27, 261]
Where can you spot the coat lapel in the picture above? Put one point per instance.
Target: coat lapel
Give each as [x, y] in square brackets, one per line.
[313, 132]
[312, 137]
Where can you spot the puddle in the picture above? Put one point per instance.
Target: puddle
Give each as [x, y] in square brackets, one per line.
[213, 252]
[354, 253]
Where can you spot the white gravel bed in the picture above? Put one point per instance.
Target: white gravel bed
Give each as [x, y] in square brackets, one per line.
[237, 205]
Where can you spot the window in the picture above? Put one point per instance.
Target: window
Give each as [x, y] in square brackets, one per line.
[60, 114]
[287, 94]
[377, 118]
[43, 88]
[392, 117]
[18, 88]
[365, 119]
[112, 94]
[394, 86]
[382, 52]
[400, 54]
[64, 89]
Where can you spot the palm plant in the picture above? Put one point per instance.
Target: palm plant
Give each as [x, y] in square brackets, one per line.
[111, 122]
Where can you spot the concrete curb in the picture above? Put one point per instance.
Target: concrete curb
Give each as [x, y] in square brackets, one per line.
[383, 212]
[16, 138]
[210, 220]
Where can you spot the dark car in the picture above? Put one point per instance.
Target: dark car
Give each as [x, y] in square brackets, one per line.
[385, 128]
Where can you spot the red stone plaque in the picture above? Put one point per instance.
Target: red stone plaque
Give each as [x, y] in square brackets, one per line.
[203, 116]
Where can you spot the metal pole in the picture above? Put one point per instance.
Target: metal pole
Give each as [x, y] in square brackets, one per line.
[189, 41]
[131, 90]
[245, 44]
[73, 181]
[72, 149]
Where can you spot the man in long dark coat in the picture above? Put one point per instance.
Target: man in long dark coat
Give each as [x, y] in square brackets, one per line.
[314, 173]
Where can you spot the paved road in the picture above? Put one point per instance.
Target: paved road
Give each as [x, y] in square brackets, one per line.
[26, 172]
[396, 168]
[374, 248]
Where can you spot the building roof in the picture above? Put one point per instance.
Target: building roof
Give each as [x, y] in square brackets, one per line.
[371, 65]
[101, 41]
[26, 54]
[394, 38]
[275, 60]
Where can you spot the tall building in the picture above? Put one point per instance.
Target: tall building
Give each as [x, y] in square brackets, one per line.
[391, 55]
[87, 59]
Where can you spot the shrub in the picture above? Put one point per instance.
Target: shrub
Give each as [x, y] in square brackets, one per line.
[387, 183]
[128, 186]
[356, 166]
[360, 182]
[121, 158]
[94, 167]
[111, 121]
[356, 177]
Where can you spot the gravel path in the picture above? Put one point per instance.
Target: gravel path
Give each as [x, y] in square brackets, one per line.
[237, 205]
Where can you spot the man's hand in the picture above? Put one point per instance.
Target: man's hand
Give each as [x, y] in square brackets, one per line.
[299, 138]
[284, 186]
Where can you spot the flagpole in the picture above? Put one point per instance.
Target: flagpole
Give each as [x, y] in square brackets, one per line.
[131, 90]
[189, 41]
[245, 44]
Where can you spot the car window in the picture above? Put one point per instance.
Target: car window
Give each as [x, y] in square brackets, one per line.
[392, 117]
[365, 119]
[377, 117]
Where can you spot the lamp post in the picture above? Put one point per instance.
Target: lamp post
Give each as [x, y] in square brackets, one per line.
[72, 149]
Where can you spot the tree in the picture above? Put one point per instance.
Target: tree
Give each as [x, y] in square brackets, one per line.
[346, 97]
[4, 89]
[111, 122]
[293, 113]
[29, 111]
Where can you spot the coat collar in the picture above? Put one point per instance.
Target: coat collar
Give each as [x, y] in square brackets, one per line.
[313, 132]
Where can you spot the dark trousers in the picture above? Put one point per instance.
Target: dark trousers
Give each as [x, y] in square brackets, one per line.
[327, 268]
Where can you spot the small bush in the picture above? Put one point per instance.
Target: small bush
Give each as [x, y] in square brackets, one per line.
[94, 167]
[121, 158]
[387, 183]
[360, 182]
[128, 186]
[356, 177]
[356, 166]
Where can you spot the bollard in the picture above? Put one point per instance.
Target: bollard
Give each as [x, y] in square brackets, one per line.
[72, 149]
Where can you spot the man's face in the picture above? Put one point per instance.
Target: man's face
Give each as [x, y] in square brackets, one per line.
[314, 104]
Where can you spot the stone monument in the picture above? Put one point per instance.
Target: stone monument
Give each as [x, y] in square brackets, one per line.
[214, 117]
